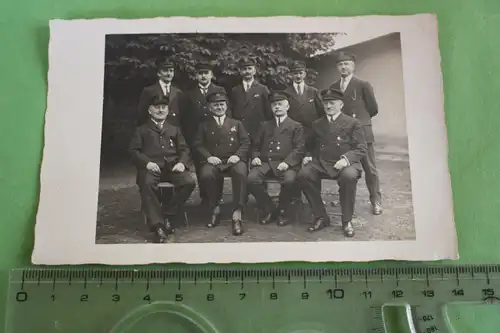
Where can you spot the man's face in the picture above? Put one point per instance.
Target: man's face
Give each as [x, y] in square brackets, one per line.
[158, 112]
[332, 107]
[346, 67]
[298, 76]
[280, 108]
[218, 108]
[166, 74]
[204, 76]
[248, 72]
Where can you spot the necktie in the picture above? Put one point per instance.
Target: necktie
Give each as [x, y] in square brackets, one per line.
[278, 121]
[219, 120]
[343, 84]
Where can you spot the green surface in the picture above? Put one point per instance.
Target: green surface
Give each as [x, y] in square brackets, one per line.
[264, 300]
[469, 47]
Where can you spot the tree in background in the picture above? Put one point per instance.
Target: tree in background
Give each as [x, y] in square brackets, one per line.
[130, 65]
[130, 59]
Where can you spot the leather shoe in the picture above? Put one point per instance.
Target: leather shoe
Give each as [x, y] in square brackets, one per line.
[215, 219]
[160, 235]
[237, 227]
[319, 224]
[348, 229]
[282, 220]
[266, 218]
[377, 209]
[169, 228]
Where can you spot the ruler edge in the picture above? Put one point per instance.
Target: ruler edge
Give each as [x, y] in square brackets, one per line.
[17, 275]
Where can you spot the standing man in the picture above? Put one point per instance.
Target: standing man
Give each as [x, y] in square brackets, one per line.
[222, 145]
[165, 71]
[249, 99]
[305, 101]
[196, 111]
[360, 103]
[160, 153]
[278, 152]
[339, 146]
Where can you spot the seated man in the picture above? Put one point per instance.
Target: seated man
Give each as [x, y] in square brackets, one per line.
[277, 152]
[338, 146]
[160, 153]
[222, 144]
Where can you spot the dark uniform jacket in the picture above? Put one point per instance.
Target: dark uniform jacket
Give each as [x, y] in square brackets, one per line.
[274, 145]
[250, 107]
[221, 141]
[165, 147]
[343, 137]
[360, 103]
[195, 110]
[305, 108]
[174, 105]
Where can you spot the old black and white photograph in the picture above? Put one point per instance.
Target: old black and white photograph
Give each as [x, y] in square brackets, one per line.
[248, 146]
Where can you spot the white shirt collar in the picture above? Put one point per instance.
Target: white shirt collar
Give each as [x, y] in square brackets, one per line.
[347, 79]
[301, 85]
[280, 118]
[204, 87]
[158, 123]
[164, 86]
[222, 118]
[334, 117]
[248, 84]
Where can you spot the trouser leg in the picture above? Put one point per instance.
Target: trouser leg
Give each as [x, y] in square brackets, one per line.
[239, 173]
[151, 204]
[371, 175]
[257, 188]
[289, 189]
[348, 180]
[307, 179]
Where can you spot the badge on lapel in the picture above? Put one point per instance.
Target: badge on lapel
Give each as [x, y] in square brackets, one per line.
[311, 100]
[171, 142]
[256, 95]
[233, 129]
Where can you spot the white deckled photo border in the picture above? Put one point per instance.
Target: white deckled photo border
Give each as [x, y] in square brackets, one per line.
[71, 154]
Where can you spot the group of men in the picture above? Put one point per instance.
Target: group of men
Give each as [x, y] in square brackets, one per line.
[299, 136]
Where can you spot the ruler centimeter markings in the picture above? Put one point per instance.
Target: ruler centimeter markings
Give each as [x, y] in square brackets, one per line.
[267, 295]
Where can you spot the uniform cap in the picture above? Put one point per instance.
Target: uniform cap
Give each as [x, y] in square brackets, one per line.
[298, 66]
[346, 56]
[216, 96]
[246, 61]
[203, 65]
[160, 100]
[164, 63]
[278, 95]
[331, 95]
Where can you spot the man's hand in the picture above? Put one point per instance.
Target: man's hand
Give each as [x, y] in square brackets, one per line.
[233, 159]
[153, 167]
[342, 163]
[214, 160]
[256, 162]
[306, 160]
[179, 167]
[283, 166]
